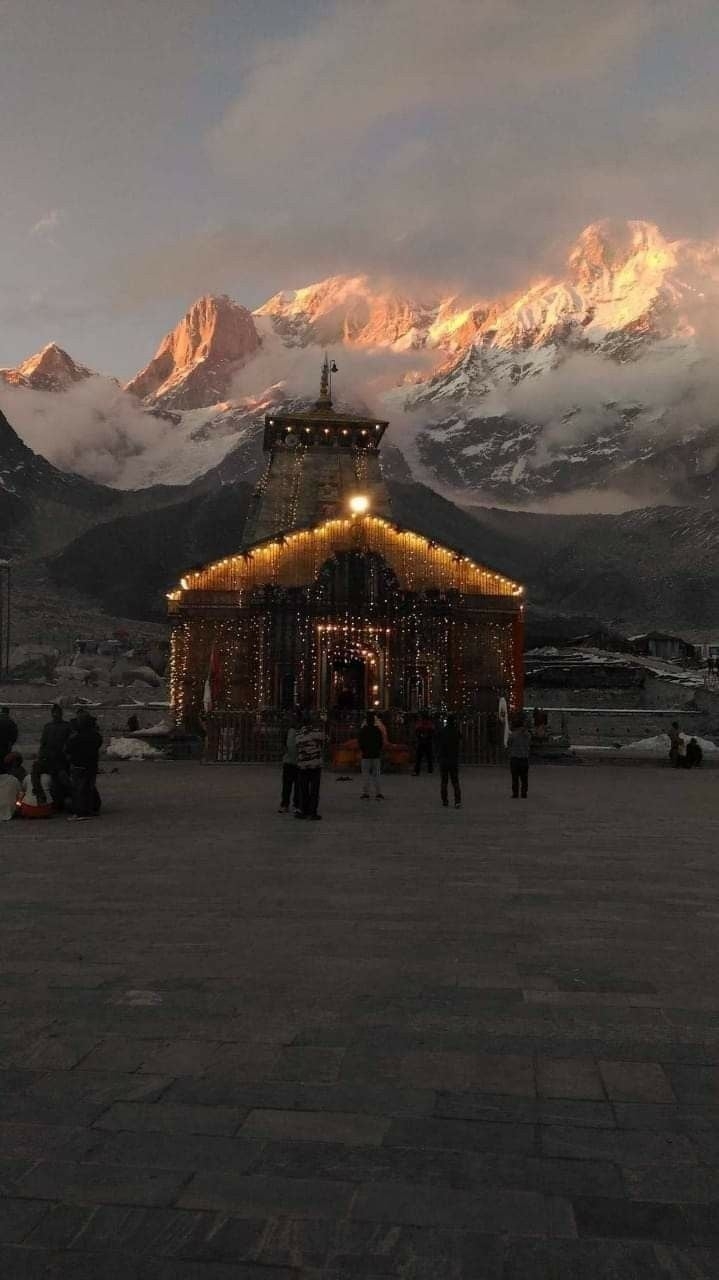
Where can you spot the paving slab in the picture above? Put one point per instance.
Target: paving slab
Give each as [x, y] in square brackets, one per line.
[409, 1042]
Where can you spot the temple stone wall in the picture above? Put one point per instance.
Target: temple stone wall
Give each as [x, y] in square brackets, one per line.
[304, 486]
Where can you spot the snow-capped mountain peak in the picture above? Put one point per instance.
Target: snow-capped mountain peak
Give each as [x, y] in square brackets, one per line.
[599, 375]
[355, 311]
[51, 369]
[195, 362]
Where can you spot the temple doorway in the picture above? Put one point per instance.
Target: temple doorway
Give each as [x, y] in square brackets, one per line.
[352, 667]
[348, 685]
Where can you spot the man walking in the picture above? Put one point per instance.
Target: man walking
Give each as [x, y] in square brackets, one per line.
[310, 747]
[448, 751]
[520, 741]
[370, 744]
[424, 739]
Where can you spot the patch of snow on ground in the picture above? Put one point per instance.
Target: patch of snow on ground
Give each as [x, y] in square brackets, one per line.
[659, 746]
[131, 749]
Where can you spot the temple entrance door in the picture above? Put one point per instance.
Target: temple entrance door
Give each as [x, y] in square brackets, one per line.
[352, 667]
[347, 685]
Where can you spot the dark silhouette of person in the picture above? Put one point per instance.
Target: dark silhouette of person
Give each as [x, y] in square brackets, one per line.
[448, 744]
[83, 752]
[8, 732]
[694, 754]
[519, 746]
[424, 739]
[675, 738]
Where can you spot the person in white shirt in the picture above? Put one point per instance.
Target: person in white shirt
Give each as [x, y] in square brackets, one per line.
[10, 792]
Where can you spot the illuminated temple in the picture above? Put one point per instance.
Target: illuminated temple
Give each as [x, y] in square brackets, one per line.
[330, 604]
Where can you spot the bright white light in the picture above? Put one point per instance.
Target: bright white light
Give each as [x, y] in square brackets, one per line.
[359, 504]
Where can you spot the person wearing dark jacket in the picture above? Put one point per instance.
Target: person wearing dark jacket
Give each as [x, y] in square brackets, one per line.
[519, 745]
[448, 753]
[424, 740]
[371, 743]
[694, 755]
[83, 753]
[54, 739]
[8, 732]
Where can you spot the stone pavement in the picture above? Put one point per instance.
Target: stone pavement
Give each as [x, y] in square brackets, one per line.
[403, 1042]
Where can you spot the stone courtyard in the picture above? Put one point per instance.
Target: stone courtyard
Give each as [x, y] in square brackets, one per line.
[403, 1042]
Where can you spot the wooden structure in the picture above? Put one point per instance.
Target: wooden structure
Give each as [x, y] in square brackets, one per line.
[330, 604]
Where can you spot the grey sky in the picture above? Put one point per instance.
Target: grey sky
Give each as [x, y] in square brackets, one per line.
[156, 149]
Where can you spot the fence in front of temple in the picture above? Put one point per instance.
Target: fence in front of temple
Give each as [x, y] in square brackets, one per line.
[248, 737]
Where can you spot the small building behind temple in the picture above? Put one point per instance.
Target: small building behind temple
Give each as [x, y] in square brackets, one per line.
[330, 604]
[656, 644]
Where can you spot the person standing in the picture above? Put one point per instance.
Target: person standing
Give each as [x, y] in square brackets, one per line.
[83, 753]
[448, 753]
[310, 742]
[520, 741]
[424, 739]
[8, 732]
[371, 742]
[290, 783]
[53, 742]
[675, 741]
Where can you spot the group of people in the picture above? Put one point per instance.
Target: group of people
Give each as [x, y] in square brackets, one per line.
[305, 744]
[683, 754]
[63, 776]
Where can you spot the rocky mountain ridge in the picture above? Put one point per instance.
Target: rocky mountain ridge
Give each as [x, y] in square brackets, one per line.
[598, 378]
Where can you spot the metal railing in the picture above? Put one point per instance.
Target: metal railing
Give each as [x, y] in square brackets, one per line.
[259, 737]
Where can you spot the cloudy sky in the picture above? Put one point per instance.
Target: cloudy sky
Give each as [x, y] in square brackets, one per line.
[153, 150]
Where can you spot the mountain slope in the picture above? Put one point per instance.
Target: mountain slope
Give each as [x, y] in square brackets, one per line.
[129, 563]
[644, 569]
[194, 364]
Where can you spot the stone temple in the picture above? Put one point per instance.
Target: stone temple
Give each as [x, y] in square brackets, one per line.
[329, 604]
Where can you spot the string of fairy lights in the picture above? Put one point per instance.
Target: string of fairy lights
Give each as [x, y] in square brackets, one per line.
[295, 558]
[436, 627]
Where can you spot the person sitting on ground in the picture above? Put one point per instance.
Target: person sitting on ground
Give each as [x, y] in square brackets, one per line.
[83, 753]
[8, 732]
[519, 746]
[37, 801]
[133, 723]
[371, 744]
[13, 763]
[10, 793]
[694, 754]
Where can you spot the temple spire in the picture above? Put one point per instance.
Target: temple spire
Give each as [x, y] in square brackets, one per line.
[328, 368]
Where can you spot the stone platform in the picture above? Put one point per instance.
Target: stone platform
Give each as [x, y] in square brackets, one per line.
[403, 1042]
